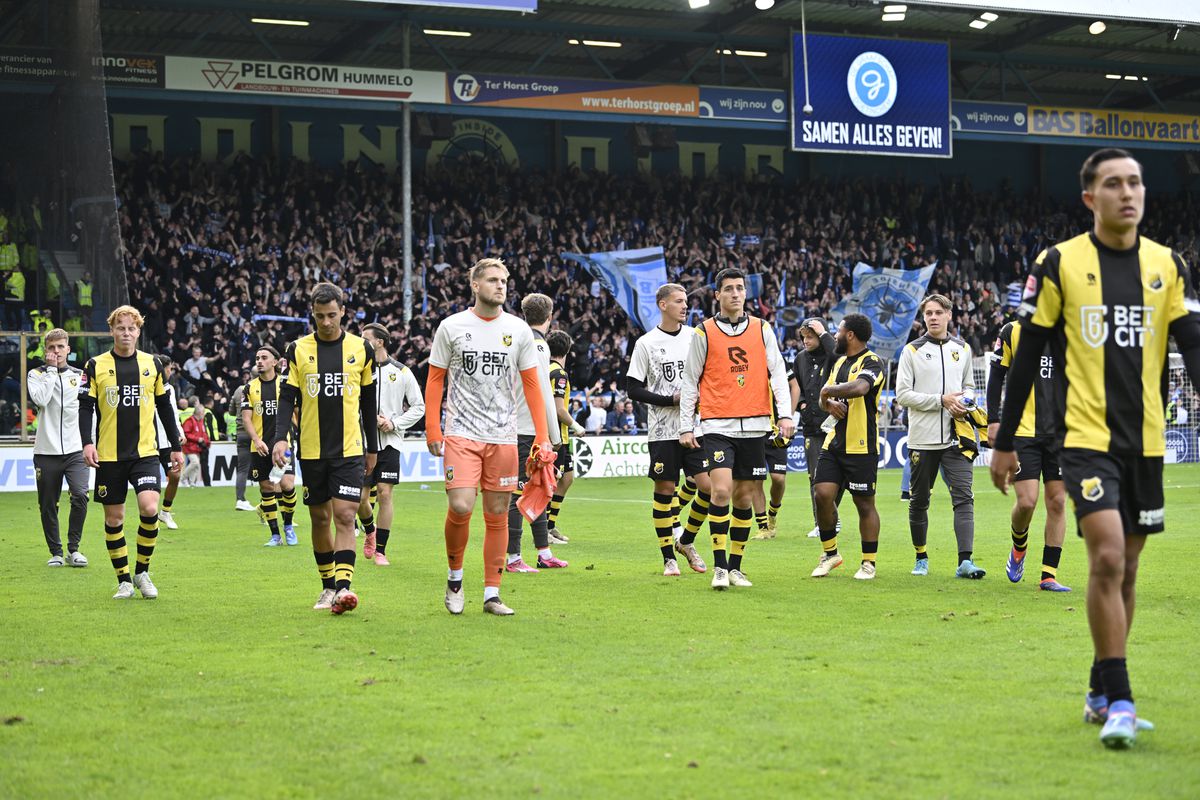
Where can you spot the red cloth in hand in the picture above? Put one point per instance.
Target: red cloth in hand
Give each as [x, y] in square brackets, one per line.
[542, 482]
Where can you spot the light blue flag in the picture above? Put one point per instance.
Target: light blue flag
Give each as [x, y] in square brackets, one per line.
[889, 298]
[632, 277]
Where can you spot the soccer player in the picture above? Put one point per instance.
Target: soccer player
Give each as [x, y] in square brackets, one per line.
[536, 309]
[655, 377]
[165, 515]
[732, 369]
[260, 407]
[55, 388]
[478, 360]
[766, 515]
[124, 391]
[849, 457]
[1106, 301]
[936, 383]
[560, 344]
[329, 379]
[1037, 443]
[400, 407]
[812, 367]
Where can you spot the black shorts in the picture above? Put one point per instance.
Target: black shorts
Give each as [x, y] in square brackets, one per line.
[114, 478]
[1131, 484]
[746, 457]
[668, 457]
[855, 472]
[330, 478]
[260, 466]
[164, 458]
[564, 462]
[387, 467]
[1037, 458]
[776, 459]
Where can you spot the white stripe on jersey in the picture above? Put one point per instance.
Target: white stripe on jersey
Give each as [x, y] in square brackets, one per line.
[658, 359]
[483, 360]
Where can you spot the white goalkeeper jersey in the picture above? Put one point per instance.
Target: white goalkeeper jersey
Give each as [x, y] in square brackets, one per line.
[657, 361]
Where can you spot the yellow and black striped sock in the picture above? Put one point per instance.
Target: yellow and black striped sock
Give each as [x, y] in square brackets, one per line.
[147, 536]
[381, 540]
[118, 551]
[869, 549]
[1020, 541]
[166, 504]
[1050, 559]
[739, 534]
[718, 529]
[921, 552]
[662, 524]
[343, 569]
[773, 509]
[685, 492]
[325, 568]
[271, 512]
[368, 523]
[374, 496]
[760, 519]
[287, 506]
[829, 541]
[556, 502]
[696, 517]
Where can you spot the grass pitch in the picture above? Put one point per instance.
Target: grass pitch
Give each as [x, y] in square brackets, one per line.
[610, 681]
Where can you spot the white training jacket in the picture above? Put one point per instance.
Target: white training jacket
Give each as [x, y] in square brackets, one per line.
[56, 394]
[738, 428]
[398, 388]
[930, 368]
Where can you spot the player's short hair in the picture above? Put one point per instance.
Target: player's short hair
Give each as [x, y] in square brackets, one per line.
[485, 264]
[859, 325]
[55, 334]
[536, 308]
[121, 311]
[727, 274]
[666, 290]
[1091, 165]
[940, 299]
[381, 332]
[269, 348]
[559, 342]
[326, 292]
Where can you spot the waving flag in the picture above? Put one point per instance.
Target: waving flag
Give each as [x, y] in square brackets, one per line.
[889, 298]
[632, 277]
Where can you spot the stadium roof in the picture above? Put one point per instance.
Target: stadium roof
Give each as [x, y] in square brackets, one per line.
[1022, 58]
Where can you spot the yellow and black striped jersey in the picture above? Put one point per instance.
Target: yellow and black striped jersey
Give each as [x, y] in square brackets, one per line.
[1109, 313]
[561, 385]
[330, 379]
[1043, 409]
[124, 389]
[261, 398]
[858, 433]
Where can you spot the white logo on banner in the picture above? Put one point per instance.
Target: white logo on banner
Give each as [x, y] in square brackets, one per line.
[466, 88]
[871, 84]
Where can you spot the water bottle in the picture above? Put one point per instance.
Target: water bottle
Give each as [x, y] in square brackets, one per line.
[277, 471]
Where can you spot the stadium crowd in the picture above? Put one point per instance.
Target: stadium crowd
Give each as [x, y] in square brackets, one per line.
[220, 257]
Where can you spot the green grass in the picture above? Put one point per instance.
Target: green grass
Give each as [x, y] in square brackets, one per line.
[610, 681]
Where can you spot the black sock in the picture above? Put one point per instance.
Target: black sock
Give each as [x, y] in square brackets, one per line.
[829, 541]
[381, 540]
[454, 586]
[964, 555]
[1095, 683]
[1116, 680]
[1050, 559]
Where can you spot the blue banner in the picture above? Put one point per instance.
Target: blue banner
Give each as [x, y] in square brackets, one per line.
[973, 117]
[889, 298]
[632, 277]
[874, 96]
[759, 105]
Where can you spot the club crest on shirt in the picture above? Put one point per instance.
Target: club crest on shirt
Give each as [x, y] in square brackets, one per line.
[74, 383]
[392, 377]
[312, 384]
[1092, 489]
[507, 339]
[954, 354]
[741, 380]
[1155, 283]
[350, 360]
[146, 373]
